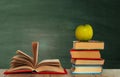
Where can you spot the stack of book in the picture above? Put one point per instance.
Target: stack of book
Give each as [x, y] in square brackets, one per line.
[86, 57]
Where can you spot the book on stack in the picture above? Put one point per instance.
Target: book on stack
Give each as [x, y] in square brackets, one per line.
[86, 57]
[92, 44]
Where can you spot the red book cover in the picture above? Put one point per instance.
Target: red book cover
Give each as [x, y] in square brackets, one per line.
[34, 72]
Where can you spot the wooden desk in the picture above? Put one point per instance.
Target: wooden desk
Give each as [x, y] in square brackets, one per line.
[106, 73]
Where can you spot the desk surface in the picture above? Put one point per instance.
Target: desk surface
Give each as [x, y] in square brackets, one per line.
[106, 73]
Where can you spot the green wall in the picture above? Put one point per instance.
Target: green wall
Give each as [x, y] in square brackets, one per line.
[52, 23]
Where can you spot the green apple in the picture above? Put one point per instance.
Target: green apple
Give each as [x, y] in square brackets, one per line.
[84, 32]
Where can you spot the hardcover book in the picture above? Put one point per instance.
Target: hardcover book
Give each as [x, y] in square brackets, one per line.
[81, 61]
[23, 63]
[92, 44]
[91, 54]
[86, 69]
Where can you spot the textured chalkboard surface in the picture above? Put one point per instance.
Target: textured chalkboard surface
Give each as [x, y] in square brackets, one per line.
[52, 23]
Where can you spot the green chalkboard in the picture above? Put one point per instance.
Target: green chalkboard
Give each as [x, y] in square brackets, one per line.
[52, 23]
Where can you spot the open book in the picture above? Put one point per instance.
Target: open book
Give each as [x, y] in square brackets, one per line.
[23, 63]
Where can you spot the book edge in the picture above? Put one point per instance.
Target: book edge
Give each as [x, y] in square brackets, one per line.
[33, 72]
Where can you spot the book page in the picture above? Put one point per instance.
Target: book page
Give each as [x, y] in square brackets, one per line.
[49, 68]
[52, 65]
[20, 68]
[35, 46]
[18, 61]
[50, 62]
[21, 54]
